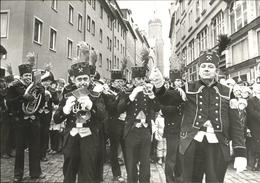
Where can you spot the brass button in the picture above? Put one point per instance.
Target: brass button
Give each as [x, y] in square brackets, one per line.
[216, 111]
[197, 123]
[216, 119]
[200, 96]
[216, 104]
[200, 103]
[199, 116]
[217, 98]
[217, 126]
[200, 109]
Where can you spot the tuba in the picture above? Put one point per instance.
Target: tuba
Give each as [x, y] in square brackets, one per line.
[30, 107]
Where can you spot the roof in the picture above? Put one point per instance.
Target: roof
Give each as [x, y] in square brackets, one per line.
[131, 29]
[139, 35]
[107, 8]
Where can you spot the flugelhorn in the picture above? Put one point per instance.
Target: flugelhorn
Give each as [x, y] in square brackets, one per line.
[30, 107]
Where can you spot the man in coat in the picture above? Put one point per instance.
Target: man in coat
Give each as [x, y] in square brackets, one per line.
[27, 126]
[253, 124]
[83, 111]
[208, 124]
[172, 116]
[116, 122]
[137, 133]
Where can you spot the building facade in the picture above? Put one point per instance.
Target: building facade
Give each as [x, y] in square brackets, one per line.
[52, 30]
[130, 41]
[196, 25]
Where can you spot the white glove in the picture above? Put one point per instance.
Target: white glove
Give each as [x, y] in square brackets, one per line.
[233, 103]
[151, 96]
[242, 103]
[69, 104]
[135, 92]
[85, 102]
[156, 78]
[240, 164]
[183, 94]
[98, 88]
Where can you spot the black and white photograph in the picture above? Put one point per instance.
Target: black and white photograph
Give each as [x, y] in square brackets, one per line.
[130, 91]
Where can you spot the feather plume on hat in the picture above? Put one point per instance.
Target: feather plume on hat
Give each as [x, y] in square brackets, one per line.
[145, 58]
[93, 58]
[30, 58]
[124, 63]
[84, 52]
[48, 66]
[83, 46]
[9, 69]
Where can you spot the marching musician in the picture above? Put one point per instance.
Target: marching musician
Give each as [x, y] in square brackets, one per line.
[45, 112]
[3, 115]
[208, 125]
[116, 122]
[82, 115]
[253, 123]
[27, 126]
[137, 132]
[172, 117]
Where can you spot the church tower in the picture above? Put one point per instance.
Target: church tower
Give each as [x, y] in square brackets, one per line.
[156, 41]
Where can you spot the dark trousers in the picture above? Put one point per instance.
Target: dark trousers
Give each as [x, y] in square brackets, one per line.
[55, 139]
[116, 139]
[101, 152]
[80, 158]
[172, 164]
[27, 131]
[153, 153]
[45, 120]
[137, 148]
[203, 158]
[5, 138]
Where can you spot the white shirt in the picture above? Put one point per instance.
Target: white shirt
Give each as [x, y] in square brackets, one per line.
[210, 135]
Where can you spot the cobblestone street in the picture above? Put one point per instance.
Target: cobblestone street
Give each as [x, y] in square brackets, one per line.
[53, 171]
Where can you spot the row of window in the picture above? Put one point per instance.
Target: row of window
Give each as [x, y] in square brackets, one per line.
[118, 27]
[238, 19]
[239, 53]
[202, 40]
[71, 18]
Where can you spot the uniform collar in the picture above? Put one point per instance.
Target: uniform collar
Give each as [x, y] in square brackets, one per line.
[213, 83]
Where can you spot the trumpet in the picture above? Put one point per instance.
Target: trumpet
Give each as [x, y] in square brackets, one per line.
[78, 108]
[148, 89]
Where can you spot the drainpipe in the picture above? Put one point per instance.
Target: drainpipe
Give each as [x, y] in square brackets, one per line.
[84, 20]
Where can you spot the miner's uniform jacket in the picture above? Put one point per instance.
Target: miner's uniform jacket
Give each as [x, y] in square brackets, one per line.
[133, 108]
[97, 114]
[27, 130]
[81, 151]
[208, 103]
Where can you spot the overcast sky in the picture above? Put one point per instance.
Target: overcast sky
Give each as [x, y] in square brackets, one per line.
[143, 11]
